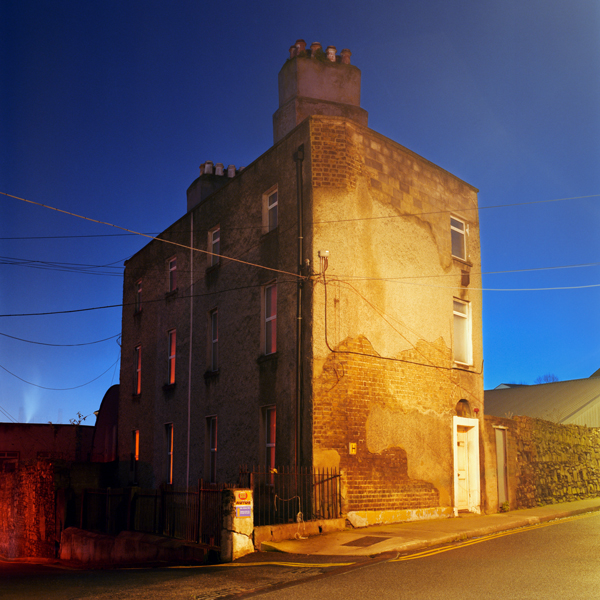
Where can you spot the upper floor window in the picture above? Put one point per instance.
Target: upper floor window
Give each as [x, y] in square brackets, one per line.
[270, 437]
[270, 204]
[459, 245]
[172, 338]
[138, 295]
[211, 427]
[462, 347]
[137, 380]
[169, 456]
[214, 246]
[271, 318]
[214, 340]
[173, 274]
[135, 453]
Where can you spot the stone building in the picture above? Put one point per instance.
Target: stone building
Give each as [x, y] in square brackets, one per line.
[319, 307]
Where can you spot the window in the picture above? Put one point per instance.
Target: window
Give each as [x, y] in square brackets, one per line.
[214, 246]
[457, 231]
[271, 319]
[137, 380]
[138, 295]
[135, 453]
[211, 430]
[270, 422]
[214, 340]
[173, 274]
[172, 347]
[270, 217]
[169, 440]
[9, 461]
[462, 333]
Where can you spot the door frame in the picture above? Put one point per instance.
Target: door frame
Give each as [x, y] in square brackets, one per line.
[474, 485]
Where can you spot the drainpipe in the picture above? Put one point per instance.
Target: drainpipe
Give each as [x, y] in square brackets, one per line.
[298, 158]
[190, 352]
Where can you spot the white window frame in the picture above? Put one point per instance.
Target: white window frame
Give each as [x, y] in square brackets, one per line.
[172, 274]
[458, 236]
[212, 447]
[137, 381]
[172, 355]
[214, 246]
[169, 439]
[270, 209]
[270, 318]
[213, 347]
[462, 341]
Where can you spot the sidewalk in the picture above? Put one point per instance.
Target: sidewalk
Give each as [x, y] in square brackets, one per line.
[403, 537]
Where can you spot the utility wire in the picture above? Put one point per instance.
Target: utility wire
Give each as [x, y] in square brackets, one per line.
[441, 212]
[60, 389]
[186, 247]
[12, 337]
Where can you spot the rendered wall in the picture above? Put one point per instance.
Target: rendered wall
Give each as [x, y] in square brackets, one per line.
[384, 376]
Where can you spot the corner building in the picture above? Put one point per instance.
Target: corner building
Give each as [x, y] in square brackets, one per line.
[320, 307]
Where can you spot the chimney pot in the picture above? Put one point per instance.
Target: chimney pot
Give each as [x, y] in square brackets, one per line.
[314, 48]
[300, 46]
[292, 51]
[202, 169]
[219, 169]
[331, 53]
[231, 171]
[346, 54]
[208, 167]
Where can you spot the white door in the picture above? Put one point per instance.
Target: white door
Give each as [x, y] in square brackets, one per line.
[462, 468]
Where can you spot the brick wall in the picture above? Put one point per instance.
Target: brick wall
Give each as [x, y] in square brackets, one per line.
[27, 521]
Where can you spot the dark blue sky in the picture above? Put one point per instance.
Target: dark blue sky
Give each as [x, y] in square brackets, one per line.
[108, 108]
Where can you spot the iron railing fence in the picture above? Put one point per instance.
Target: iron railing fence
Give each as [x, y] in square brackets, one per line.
[195, 515]
[290, 495]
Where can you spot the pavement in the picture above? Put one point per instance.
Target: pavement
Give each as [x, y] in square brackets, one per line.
[416, 535]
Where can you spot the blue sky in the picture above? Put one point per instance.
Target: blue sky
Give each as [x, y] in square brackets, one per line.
[108, 108]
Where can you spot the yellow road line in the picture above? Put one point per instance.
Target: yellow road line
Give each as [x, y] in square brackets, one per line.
[491, 536]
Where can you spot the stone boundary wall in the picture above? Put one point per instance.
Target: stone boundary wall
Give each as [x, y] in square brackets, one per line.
[27, 515]
[547, 462]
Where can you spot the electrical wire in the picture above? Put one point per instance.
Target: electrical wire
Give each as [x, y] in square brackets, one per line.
[158, 239]
[440, 212]
[12, 337]
[60, 389]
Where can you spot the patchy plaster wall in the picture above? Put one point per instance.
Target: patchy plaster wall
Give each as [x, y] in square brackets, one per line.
[399, 415]
[27, 526]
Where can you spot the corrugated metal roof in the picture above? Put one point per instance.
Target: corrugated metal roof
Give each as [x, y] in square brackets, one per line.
[560, 402]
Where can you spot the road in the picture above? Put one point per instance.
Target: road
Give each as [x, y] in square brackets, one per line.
[557, 560]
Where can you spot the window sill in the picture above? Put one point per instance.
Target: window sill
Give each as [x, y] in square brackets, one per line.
[136, 396]
[211, 375]
[263, 358]
[168, 387]
[462, 261]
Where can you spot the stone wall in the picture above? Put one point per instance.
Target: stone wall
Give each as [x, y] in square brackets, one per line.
[558, 463]
[547, 462]
[27, 515]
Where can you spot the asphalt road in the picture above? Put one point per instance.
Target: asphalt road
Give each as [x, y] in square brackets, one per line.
[557, 560]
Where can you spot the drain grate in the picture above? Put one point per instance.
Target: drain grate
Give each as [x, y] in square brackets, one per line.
[368, 540]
